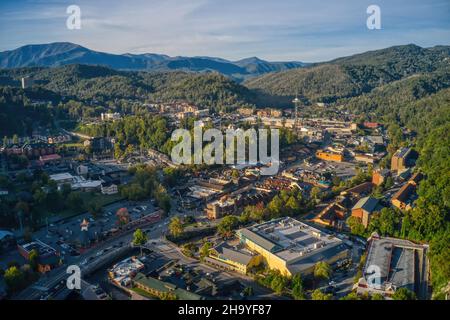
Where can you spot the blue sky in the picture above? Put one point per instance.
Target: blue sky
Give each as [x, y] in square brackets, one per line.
[315, 30]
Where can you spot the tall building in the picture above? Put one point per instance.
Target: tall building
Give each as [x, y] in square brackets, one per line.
[364, 209]
[399, 161]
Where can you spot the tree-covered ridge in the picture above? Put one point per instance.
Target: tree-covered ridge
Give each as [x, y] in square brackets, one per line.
[324, 82]
[103, 84]
[205, 89]
[18, 115]
[399, 100]
[354, 75]
[400, 59]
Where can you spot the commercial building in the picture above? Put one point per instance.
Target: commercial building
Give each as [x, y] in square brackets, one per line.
[232, 204]
[366, 158]
[392, 264]
[62, 178]
[48, 257]
[229, 258]
[162, 289]
[364, 209]
[82, 170]
[332, 216]
[189, 203]
[404, 198]
[202, 193]
[330, 156]
[399, 161]
[215, 184]
[359, 191]
[219, 208]
[268, 112]
[123, 272]
[50, 158]
[109, 188]
[245, 111]
[86, 185]
[315, 177]
[291, 246]
[110, 116]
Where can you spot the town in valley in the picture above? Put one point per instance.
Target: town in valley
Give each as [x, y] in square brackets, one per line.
[225, 158]
[142, 227]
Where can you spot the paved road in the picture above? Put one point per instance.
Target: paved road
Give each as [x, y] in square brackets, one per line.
[56, 277]
[57, 235]
[97, 255]
[172, 252]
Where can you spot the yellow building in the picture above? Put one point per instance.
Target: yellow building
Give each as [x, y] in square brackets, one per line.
[291, 246]
[329, 156]
[232, 259]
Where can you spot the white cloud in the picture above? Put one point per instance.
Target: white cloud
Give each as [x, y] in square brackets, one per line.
[271, 29]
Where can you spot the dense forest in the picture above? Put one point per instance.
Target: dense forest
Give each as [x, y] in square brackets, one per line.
[83, 82]
[354, 75]
[19, 116]
[134, 133]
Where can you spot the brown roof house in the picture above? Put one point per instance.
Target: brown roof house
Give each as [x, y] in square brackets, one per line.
[364, 208]
[405, 197]
[360, 190]
[333, 215]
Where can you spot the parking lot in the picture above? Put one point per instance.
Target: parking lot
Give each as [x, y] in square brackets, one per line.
[63, 235]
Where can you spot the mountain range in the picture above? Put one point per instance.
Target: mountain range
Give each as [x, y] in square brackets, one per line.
[63, 53]
[80, 72]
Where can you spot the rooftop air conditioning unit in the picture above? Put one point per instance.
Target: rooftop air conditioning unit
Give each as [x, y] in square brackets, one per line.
[318, 245]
